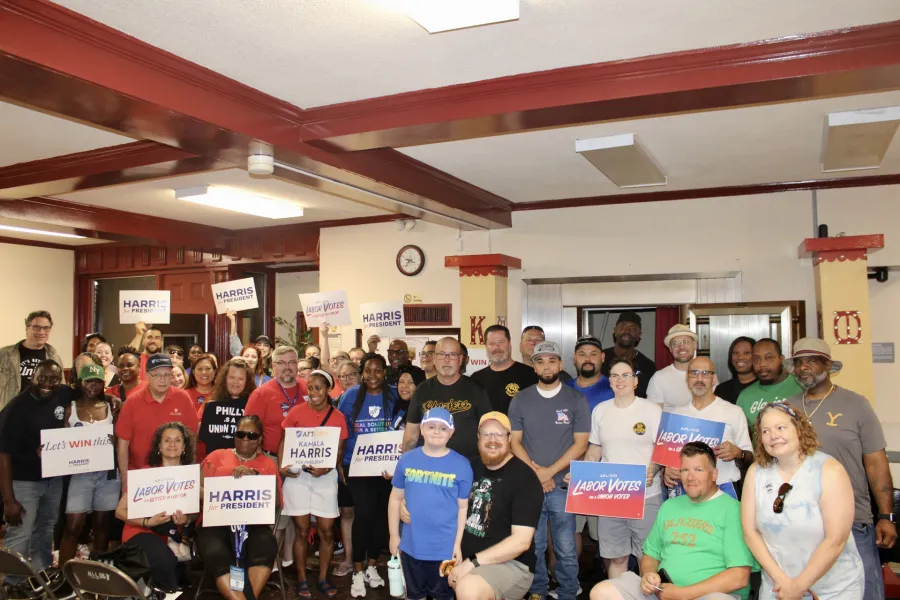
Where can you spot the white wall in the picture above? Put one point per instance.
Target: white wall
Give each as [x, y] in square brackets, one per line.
[37, 279]
[287, 286]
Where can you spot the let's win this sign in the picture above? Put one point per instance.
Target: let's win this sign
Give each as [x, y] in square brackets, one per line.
[236, 295]
[73, 450]
[163, 489]
[149, 306]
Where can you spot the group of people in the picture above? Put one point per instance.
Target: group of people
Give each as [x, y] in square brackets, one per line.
[476, 506]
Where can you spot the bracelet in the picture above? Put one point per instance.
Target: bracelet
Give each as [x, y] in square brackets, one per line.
[144, 523]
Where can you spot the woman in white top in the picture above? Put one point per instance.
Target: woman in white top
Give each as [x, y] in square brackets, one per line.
[623, 430]
[797, 511]
[104, 351]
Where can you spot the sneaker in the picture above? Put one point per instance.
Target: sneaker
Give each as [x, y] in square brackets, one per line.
[358, 585]
[343, 569]
[338, 549]
[554, 593]
[534, 597]
[373, 578]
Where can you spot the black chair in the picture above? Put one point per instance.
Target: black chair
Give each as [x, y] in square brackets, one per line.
[100, 579]
[13, 563]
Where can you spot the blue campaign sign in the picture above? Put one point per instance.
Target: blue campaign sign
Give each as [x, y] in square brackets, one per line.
[677, 430]
[607, 489]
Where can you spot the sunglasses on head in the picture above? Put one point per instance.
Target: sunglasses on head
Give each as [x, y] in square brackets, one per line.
[778, 506]
[247, 435]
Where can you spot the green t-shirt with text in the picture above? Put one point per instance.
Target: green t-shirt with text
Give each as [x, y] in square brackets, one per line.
[756, 396]
[694, 542]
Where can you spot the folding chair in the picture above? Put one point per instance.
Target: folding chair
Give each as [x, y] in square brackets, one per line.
[100, 579]
[13, 563]
[204, 578]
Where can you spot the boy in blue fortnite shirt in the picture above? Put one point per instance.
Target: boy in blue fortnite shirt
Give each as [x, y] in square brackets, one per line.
[435, 482]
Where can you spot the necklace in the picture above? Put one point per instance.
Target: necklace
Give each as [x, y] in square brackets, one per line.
[241, 458]
[821, 402]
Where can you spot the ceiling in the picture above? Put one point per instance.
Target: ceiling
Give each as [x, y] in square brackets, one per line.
[36, 237]
[319, 52]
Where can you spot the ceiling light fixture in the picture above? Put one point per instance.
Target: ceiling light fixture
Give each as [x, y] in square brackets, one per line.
[858, 139]
[40, 232]
[622, 159]
[445, 15]
[240, 201]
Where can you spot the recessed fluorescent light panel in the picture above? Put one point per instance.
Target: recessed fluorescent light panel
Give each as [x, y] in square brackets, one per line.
[240, 201]
[858, 139]
[40, 232]
[445, 15]
[622, 159]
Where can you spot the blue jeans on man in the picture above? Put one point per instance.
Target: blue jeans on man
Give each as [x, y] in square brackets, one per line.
[864, 536]
[40, 502]
[562, 528]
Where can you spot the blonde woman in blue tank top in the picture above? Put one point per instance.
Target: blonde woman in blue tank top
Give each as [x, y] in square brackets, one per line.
[797, 511]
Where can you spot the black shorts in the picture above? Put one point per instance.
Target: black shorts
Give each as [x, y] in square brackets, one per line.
[423, 578]
[345, 498]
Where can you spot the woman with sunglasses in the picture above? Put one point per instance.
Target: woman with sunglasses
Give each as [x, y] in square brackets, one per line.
[202, 377]
[216, 545]
[176, 354]
[225, 406]
[797, 511]
[253, 357]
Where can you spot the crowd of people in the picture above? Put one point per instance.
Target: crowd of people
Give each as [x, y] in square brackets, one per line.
[476, 507]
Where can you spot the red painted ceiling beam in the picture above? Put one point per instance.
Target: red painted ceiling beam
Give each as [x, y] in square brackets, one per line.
[850, 61]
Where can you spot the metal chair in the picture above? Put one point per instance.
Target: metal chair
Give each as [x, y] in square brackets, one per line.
[13, 563]
[100, 579]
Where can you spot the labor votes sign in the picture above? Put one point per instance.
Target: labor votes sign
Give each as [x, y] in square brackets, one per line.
[247, 500]
[149, 306]
[326, 307]
[607, 489]
[311, 446]
[677, 430]
[163, 489]
[376, 452]
[74, 450]
[236, 295]
[384, 319]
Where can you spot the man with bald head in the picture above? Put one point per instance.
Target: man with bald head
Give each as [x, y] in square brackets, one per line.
[735, 451]
[398, 362]
[465, 399]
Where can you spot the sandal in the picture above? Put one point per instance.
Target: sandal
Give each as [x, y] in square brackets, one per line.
[326, 588]
[303, 590]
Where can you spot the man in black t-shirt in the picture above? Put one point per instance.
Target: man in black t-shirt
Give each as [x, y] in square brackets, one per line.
[504, 510]
[627, 335]
[19, 361]
[465, 399]
[503, 378]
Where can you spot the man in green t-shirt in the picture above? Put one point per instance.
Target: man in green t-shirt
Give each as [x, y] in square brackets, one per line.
[773, 382]
[696, 538]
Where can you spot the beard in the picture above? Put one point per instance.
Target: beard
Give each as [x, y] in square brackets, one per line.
[495, 457]
[549, 379]
[809, 382]
[499, 358]
[587, 370]
[776, 377]
[626, 341]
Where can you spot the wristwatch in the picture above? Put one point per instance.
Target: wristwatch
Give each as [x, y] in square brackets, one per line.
[474, 560]
[887, 517]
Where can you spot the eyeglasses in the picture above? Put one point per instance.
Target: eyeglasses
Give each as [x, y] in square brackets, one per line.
[448, 355]
[625, 376]
[348, 376]
[174, 352]
[680, 343]
[704, 374]
[161, 376]
[39, 329]
[491, 435]
[283, 364]
[400, 351]
[247, 435]
[424, 354]
[778, 506]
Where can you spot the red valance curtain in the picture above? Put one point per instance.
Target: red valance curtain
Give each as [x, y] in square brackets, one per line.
[666, 316]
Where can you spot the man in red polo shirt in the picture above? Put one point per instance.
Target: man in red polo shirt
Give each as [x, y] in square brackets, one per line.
[148, 408]
[272, 401]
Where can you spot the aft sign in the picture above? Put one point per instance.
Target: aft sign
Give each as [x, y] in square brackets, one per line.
[384, 319]
[677, 430]
[326, 307]
[163, 489]
[607, 489]
[247, 500]
[149, 306]
[235, 295]
[376, 452]
[73, 450]
[311, 447]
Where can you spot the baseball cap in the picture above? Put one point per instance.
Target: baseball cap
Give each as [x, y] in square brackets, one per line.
[546, 348]
[534, 327]
[498, 416]
[808, 347]
[679, 330]
[588, 340]
[264, 339]
[158, 361]
[441, 415]
[91, 371]
[629, 317]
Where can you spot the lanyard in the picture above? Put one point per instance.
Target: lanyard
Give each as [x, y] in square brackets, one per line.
[240, 536]
[290, 402]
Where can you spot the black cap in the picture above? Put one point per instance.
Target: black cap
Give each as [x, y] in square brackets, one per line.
[534, 327]
[158, 361]
[264, 339]
[588, 340]
[629, 317]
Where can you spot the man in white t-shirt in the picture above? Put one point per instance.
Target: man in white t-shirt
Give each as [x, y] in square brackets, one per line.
[735, 451]
[667, 386]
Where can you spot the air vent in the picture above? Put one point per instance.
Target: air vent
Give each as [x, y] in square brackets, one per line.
[428, 315]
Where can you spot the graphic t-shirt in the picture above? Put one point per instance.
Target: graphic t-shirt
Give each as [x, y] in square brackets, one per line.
[432, 487]
[219, 421]
[375, 416]
[499, 500]
[730, 390]
[20, 429]
[466, 401]
[595, 394]
[757, 395]
[502, 386]
[694, 542]
[28, 361]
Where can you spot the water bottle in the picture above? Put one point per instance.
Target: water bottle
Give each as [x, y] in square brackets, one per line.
[395, 577]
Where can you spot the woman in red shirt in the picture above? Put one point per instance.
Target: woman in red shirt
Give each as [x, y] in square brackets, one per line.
[201, 379]
[216, 544]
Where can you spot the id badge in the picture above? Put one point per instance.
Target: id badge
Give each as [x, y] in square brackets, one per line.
[236, 579]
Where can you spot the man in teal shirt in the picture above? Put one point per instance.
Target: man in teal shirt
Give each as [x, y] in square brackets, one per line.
[773, 382]
[696, 540]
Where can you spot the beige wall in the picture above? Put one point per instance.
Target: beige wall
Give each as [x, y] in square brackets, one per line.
[35, 279]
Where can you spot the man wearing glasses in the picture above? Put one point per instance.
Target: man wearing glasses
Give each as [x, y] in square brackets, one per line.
[398, 355]
[426, 359]
[667, 386]
[19, 361]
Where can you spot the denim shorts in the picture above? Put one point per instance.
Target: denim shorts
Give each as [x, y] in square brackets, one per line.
[93, 492]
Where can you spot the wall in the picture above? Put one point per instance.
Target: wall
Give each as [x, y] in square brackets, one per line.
[34, 279]
[287, 286]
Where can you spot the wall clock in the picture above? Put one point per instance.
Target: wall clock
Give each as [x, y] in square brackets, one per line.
[410, 260]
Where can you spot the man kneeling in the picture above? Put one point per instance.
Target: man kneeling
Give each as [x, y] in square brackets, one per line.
[696, 541]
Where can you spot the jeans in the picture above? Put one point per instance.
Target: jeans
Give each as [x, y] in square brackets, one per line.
[33, 539]
[562, 527]
[864, 536]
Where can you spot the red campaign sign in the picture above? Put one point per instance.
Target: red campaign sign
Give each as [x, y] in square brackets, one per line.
[677, 430]
[607, 489]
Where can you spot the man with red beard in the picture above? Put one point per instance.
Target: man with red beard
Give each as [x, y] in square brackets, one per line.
[504, 510]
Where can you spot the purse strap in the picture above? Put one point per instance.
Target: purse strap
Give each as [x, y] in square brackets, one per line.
[327, 416]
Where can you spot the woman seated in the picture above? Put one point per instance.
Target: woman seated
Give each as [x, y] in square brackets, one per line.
[216, 545]
[160, 536]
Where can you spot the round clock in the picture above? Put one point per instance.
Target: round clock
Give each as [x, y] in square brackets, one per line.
[410, 260]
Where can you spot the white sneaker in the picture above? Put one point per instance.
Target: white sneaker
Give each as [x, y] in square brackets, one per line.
[358, 585]
[554, 593]
[373, 578]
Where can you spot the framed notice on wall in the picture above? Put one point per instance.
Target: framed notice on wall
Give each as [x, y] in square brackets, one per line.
[415, 338]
